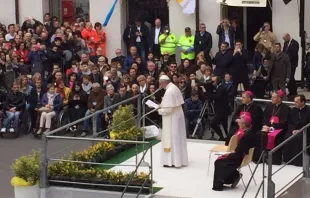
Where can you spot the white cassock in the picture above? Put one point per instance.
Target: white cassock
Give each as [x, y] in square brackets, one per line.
[174, 146]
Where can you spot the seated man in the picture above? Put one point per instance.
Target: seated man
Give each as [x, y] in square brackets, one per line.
[110, 99]
[226, 166]
[14, 104]
[192, 108]
[299, 117]
[249, 108]
[94, 103]
[275, 124]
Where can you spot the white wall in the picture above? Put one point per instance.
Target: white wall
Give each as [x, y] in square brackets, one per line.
[285, 19]
[7, 14]
[210, 14]
[33, 8]
[99, 10]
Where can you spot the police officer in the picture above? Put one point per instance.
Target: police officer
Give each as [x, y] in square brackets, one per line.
[186, 45]
[168, 43]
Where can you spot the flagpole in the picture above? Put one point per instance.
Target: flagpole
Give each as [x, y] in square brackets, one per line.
[197, 15]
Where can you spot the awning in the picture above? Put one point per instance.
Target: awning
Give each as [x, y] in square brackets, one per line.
[244, 3]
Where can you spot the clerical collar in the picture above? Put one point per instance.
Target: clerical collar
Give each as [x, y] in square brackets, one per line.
[218, 85]
[302, 107]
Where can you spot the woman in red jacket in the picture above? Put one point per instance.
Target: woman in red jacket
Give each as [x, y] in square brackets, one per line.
[102, 36]
[22, 52]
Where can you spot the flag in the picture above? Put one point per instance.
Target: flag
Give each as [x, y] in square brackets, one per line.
[107, 18]
[244, 3]
[188, 6]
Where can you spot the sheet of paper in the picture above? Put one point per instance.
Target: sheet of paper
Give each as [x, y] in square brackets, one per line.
[221, 153]
[152, 104]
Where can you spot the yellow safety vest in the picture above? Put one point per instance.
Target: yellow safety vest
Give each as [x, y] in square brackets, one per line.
[185, 43]
[169, 45]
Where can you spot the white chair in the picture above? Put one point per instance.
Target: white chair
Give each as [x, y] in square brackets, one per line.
[247, 159]
[221, 148]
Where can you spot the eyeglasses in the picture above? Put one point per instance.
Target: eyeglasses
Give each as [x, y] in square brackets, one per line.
[166, 54]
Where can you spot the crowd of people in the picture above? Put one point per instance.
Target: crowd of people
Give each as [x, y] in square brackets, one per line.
[57, 66]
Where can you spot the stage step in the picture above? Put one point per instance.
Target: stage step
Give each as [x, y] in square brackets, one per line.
[301, 189]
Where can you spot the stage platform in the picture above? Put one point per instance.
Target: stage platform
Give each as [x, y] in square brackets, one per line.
[194, 181]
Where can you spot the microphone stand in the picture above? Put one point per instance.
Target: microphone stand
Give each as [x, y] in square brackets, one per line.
[143, 104]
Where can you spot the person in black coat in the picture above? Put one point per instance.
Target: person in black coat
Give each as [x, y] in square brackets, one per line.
[226, 166]
[291, 48]
[224, 29]
[249, 108]
[77, 104]
[223, 60]
[139, 36]
[153, 40]
[203, 41]
[221, 106]
[127, 37]
[299, 117]
[239, 68]
[275, 118]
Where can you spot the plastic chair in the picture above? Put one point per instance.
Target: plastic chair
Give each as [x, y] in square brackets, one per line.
[247, 159]
[222, 148]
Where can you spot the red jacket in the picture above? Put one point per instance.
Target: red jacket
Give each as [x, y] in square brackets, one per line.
[92, 39]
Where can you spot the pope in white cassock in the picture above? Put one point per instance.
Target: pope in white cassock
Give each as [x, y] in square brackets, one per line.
[174, 147]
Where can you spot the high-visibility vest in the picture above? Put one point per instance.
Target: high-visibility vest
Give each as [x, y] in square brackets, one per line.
[185, 43]
[169, 45]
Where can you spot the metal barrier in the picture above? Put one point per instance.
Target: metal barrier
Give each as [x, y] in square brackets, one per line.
[271, 192]
[45, 159]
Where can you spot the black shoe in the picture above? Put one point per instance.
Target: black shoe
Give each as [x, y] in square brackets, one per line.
[233, 185]
[84, 134]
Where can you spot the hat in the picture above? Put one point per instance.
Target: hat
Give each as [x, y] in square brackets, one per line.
[36, 46]
[249, 93]
[187, 29]
[280, 93]
[247, 119]
[164, 77]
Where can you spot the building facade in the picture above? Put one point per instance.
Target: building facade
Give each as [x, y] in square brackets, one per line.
[284, 18]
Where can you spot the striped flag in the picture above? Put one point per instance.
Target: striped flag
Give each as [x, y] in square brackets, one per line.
[188, 6]
[107, 18]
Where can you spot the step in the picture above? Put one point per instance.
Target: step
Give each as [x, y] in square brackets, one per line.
[300, 189]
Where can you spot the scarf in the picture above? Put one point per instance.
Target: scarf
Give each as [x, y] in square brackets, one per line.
[87, 87]
[51, 98]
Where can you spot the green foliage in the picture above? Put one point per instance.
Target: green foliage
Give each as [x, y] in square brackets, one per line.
[27, 167]
[123, 119]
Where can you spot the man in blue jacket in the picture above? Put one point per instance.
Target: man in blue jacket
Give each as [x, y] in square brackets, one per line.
[192, 108]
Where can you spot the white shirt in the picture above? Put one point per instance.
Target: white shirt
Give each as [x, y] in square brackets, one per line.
[142, 89]
[227, 39]
[9, 37]
[138, 40]
[157, 31]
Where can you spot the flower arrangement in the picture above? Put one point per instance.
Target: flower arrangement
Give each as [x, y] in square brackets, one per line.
[100, 152]
[26, 170]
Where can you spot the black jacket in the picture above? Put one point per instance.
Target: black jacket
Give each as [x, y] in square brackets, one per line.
[220, 31]
[15, 100]
[220, 98]
[203, 43]
[152, 35]
[292, 51]
[145, 33]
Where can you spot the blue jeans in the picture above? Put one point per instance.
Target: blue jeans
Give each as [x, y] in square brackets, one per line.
[142, 52]
[86, 123]
[190, 130]
[9, 117]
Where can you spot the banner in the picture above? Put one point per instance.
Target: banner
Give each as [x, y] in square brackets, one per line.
[188, 6]
[244, 3]
[107, 18]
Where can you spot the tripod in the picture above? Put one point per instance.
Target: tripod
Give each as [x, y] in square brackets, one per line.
[201, 115]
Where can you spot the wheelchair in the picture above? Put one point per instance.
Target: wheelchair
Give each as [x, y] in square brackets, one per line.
[58, 121]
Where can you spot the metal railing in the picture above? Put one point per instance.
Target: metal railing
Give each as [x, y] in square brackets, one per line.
[271, 191]
[45, 159]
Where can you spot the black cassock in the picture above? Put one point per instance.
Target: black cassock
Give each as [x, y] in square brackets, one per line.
[275, 116]
[298, 119]
[225, 171]
[254, 111]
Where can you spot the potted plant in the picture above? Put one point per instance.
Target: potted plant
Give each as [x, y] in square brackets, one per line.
[26, 176]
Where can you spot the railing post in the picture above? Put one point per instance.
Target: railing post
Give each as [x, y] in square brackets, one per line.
[139, 111]
[271, 185]
[305, 157]
[94, 120]
[43, 167]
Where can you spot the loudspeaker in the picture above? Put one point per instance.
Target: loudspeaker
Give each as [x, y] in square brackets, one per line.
[286, 1]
